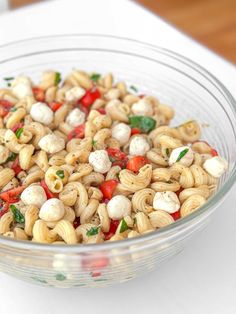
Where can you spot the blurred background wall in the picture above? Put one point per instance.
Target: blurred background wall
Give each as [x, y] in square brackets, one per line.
[212, 22]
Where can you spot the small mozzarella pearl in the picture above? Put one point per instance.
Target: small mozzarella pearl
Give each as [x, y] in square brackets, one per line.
[52, 143]
[119, 207]
[40, 112]
[142, 108]
[34, 195]
[76, 117]
[138, 146]
[121, 132]
[52, 210]
[100, 161]
[75, 93]
[167, 201]
[186, 160]
[215, 166]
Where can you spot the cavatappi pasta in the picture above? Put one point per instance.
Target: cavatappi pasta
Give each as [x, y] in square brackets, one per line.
[89, 160]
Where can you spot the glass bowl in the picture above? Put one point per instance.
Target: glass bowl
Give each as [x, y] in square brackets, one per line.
[175, 80]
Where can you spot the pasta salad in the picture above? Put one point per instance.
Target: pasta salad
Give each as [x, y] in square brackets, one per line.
[90, 160]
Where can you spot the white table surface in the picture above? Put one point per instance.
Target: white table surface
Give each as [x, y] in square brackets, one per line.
[202, 279]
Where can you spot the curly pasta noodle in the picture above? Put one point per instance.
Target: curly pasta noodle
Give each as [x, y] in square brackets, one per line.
[190, 131]
[160, 219]
[191, 204]
[142, 200]
[173, 186]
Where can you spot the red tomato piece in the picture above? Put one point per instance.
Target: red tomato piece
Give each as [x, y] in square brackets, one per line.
[179, 191]
[214, 152]
[90, 96]
[142, 96]
[135, 131]
[94, 263]
[16, 166]
[108, 187]
[76, 223]
[17, 126]
[137, 162]
[113, 227]
[176, 215]
[4, 209]
[49, 194]
[78, 132]
[55, 105]
[117, 157]
[38, 93]
[101, 110]
[5, 107]
[12, 195]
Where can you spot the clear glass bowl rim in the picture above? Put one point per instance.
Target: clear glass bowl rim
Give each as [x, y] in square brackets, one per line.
[213, 202]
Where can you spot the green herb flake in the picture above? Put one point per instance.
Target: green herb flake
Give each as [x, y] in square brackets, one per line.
[167, 152]
[8, 84]
[123, 226]
[60, 174]
[8, 78]
[11, 157]
[13, 109]
[182, 154]
[19, 132]
[134, 88]
[146, 124]
[17, 215]
[57, 78]
[93, 231]
[94, 143]
[95, 77]
[60, 277]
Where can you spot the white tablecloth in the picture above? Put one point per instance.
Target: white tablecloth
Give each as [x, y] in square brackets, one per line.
[202, 279]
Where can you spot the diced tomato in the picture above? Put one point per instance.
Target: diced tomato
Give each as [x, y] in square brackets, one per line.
[5, 107]
[135, 131]
[78, 132]
[17, 126]
[16, 166]
[90, 96]
[55, 105]
[38, 93]
[117, 157]
[113, 227]
[76, 223]
[12, 195]
[4, 209]
[179, 191]
[101, 110]
[142, 96]
[137, 162]
[108, 188]
[214, 152]
[176, 215]
[49, 194]
[94, 263]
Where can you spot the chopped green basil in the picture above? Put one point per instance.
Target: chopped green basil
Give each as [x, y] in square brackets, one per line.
[17, 215]
[94, 143]
[95, 77]
[182, 154]
[146, 124]
[8, 78]
[57, 78]
[19, 132]
[60, 277]
[60, 174]
[134, 88]
[112, 159]
[123, 226]
[11, 157]
[13, 109]
[93, 231]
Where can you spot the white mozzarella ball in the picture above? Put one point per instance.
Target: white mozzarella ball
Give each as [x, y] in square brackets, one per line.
[21, 87]
[119, 207]
[121, 132]
[100, 161]
[184, 155]
[76, 117]
[138, 146]
[40, 112]
[167, 201]
[34, 195]
[21, 80]
[75, 93]
[142, 108]
[215, 166]
[52, 210]
[4, 153]
[52, 143]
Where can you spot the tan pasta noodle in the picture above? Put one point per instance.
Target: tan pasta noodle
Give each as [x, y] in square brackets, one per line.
[6, 176]
[190, 131]
[173, 186]
[191, 204]
[143, 223]
[82, 230]
[42, 234]
[31, 215]
[100, 138]
[160, 219]
[95, 193]
[15, 117]
[142, 200]
[202, 190]
[25, 157]
[156, 158]
[11, 142]
[200, 176]
[135, 182]
[89, 211]
[94, 179]
[104, 218]
[186, 179]
[33, 177]
[5, 222]
[41, 159]
[161, 174]
[112, 174]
